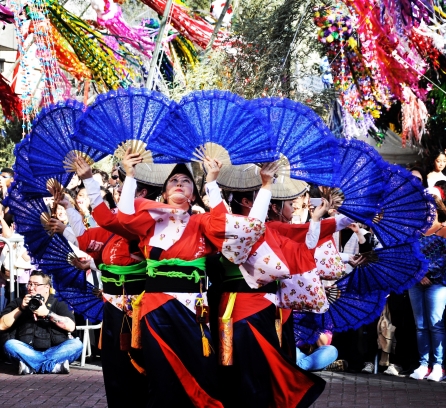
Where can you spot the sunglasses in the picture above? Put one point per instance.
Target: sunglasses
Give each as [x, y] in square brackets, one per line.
[4, 176]
[115, 177]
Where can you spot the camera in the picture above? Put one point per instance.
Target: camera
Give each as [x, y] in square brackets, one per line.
[35, 302]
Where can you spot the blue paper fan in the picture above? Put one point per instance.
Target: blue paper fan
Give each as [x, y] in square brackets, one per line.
[51, 150]
[215, 123]
[348, 310]
[54, 260]
[305, 334]
[391, 269]
[363, 179]
[28, 216]
[303, 139]
[82, 301]
[27, 183]
[404, 211]
[121, 119]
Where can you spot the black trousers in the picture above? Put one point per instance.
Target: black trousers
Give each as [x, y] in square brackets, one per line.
[124, 385]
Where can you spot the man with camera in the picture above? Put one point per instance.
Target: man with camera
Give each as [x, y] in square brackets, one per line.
[38, 330]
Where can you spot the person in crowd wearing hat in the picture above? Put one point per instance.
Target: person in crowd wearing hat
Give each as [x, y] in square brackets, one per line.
[180, 364]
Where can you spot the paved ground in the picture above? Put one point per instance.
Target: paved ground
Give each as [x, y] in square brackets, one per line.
[379, 391]
[84, 387]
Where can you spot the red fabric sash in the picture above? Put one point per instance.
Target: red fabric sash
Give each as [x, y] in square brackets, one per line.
[288, 383]
[152, 301]
[197, 395]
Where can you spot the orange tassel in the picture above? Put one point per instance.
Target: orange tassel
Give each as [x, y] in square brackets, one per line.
[140, 369]
[207, 349]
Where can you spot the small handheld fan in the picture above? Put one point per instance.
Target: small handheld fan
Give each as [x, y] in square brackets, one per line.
[28, 184]
[51, 151]
[348, 310]
[29, 218]
[215, 123]
[307, 332]
[82, 300]
[363, 179]
[404, 211]
[308, 149]
[391, 269]
[121, 119]
[55, 260]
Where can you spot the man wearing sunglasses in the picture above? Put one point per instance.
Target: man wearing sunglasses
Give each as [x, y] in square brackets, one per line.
[37, 330]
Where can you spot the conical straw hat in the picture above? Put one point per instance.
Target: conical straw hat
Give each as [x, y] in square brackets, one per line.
[151, 173]
[286, 188]
[244, 177]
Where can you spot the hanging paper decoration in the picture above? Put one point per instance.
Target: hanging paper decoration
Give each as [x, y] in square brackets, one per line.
[196, 29]
[109, 15]
[6, 15]
[67, 58]
[54, 86]
[9, 101]
[90, 47]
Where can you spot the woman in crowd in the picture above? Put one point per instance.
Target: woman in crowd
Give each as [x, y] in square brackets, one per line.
[428, 299]
[438, 165]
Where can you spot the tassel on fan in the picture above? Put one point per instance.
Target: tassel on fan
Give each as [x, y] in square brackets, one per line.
[29, 218]
[55, 260]
[215, 123]
[82, 300]
[121, 119]
[305, 143]
[363, 180]
[348, 310]
[51, 151]
[391, 269]
[404, 211]
[28, 184]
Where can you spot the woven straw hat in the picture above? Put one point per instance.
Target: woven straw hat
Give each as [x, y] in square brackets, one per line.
[151, 173]
[286, 188]
[244, 177]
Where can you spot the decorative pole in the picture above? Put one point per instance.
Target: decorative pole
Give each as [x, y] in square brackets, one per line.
[153, 63]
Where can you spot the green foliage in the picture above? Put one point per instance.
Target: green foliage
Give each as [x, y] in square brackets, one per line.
[11, 133]
[274, 40]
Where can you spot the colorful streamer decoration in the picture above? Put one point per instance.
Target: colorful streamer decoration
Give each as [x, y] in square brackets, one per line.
[9, 101]
[90, 47]
[196, 29]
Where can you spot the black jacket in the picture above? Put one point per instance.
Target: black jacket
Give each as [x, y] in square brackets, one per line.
[41, 334]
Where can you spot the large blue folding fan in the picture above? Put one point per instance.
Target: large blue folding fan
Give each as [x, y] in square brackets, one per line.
[82, 300]
[216, 123]
[308, 149]
[405, 211]
[30, 216]
[121, 119]
[348, 310]
[51, 150]
[363, 180]
[28, 184]
[391, 269]
[55, 261]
